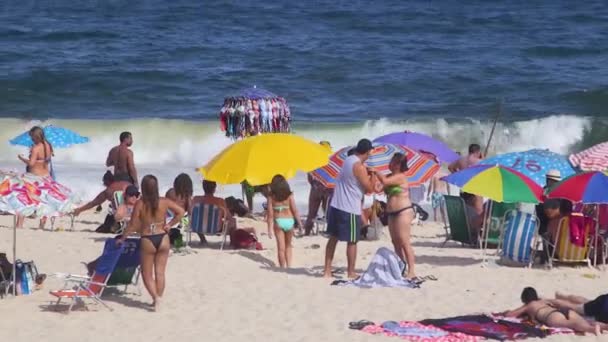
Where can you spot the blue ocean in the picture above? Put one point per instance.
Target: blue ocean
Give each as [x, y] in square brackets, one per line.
[348, 69]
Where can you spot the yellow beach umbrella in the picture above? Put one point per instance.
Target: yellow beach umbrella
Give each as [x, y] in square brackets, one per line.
[258, 159]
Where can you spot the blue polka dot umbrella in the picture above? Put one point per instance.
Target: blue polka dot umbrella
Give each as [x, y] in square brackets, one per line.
[59, 137]
[533, 163]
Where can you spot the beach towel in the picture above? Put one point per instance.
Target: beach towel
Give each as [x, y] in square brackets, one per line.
[385, 270]
[488, 327]
[416, 332]
[578, 223]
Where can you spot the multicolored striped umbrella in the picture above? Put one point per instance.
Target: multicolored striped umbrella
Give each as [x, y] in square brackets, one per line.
[594, 158]
[421, 168]
[586, 187]
[498, 183]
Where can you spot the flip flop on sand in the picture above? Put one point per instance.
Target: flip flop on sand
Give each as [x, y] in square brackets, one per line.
[358, 325]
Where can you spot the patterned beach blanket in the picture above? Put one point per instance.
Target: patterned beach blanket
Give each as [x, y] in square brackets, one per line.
[488, 327]
[385, 270]
[416, 332]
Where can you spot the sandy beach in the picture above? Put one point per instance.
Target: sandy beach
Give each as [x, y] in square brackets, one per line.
[239, 295]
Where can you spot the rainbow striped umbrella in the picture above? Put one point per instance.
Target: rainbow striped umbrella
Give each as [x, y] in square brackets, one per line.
[498, 183]
[421, 167]
[586, 187]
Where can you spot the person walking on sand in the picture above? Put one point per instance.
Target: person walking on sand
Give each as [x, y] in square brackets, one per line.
[344, 214]
[148, 219]
[400, 211]
[38, 163]
[545, 312]
[282, 217]
[121, 158]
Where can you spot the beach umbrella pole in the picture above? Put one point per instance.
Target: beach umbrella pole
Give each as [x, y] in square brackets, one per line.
[14, 274]
[486, 232]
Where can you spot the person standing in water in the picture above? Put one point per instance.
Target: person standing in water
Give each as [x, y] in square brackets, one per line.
[121, 158]
[400, 211]
[38, 163]
[148, 220]
[344, 214]
[282, 217]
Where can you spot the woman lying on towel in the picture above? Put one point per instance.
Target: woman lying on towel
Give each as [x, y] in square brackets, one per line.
[544, 312]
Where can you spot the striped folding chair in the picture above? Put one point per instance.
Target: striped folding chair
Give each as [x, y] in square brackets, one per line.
[207, 219]
[564, 250]
[519, 237]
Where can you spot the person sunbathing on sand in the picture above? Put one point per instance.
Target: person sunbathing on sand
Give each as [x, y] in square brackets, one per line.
[545, 312]
[148, 220]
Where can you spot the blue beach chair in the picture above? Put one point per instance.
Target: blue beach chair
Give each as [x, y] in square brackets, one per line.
[85, 287]
[519, 237]
[127, 268]
[207, 220]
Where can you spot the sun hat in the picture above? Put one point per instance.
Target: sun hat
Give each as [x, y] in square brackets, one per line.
[554, 175]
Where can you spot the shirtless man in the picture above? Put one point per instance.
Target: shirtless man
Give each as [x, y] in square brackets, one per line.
[473, 158]
[121, 158]
[106, 195]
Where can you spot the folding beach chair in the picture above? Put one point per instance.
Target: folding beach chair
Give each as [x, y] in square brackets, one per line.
[127, 268]
[519, 237]
[92, 287]
[495, 213]
[566, 251]
[5, 284]
[208, 219]
[118, 200]
[457, 228]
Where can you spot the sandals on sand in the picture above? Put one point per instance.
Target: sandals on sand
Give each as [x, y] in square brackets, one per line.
[358, 325]
[420, 280]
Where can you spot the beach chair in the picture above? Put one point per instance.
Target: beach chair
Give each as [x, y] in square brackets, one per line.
[127, 270]
[5, 284]
[85, 287]
[495, 213]
[457, 228]
[518, 240]
[207, 219]
[118, 200]
[564, 250]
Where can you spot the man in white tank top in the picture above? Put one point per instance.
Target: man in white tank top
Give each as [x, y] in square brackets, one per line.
[344, 214]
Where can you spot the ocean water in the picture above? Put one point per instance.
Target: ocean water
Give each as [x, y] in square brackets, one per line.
[348, 69]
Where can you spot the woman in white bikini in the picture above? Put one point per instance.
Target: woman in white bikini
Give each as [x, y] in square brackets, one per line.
[148, 220]
[282, 217]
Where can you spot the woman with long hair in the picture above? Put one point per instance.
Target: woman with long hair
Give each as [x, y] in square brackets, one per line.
[282, 217]
[148, 219]
[182, 191]
[400, 210]
[39, 162]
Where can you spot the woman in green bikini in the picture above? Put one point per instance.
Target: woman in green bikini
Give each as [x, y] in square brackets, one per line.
[282, 216]
[399, 210]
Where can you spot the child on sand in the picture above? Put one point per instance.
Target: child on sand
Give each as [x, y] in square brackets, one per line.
[282, 216]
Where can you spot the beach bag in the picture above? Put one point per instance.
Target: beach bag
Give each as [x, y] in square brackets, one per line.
[241, 239]
[175, 238]
[107, 226]
[27, 275]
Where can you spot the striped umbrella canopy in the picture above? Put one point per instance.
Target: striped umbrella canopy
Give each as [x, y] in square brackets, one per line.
[594, 158]
[421, 168]
[498, 183]
[586, 187]
[57, 136]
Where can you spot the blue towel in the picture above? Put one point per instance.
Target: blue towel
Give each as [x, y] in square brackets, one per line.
[385, 270]
[398, 330]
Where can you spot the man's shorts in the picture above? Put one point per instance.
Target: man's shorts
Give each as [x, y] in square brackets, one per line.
[597, 308]
[343, 226]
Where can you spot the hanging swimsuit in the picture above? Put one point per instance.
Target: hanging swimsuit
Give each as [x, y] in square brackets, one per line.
[285, 223]
[156, 239]
[394, 190]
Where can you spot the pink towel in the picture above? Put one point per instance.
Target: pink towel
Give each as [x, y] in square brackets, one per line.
[578, 224]
[603, 216]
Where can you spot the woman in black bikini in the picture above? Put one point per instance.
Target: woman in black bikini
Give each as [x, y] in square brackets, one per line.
[544, 312]
[148, 219]
[400, 211]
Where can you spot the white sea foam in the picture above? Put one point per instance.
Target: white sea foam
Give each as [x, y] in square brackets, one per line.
[168, 147]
